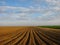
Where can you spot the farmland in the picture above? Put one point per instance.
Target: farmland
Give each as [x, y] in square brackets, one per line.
[29, 35]
[54, 27]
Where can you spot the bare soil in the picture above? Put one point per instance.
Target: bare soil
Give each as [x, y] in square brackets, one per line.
[29, 36]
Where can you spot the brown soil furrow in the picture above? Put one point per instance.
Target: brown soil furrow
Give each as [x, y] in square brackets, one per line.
[10, 36]
[53, 37]
[24, 40]
[53, 34]
[27, 42]
[45, 38]
[30, 36]
[19, 39]
[32, 41]
[38, 40]
[56, 31]
[10, 41]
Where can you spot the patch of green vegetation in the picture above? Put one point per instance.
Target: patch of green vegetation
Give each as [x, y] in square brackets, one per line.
[55, 27]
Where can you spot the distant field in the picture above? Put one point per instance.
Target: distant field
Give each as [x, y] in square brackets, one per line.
[29, 36]
[55, 27]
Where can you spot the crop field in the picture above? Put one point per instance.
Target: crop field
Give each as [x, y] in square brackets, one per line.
[29, 35]
[55, 27]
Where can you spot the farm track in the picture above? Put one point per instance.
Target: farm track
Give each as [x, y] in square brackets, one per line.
[31, 36]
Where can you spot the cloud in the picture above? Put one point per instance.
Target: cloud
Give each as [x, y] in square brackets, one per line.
[18, 9]
[17, 13]
[34, 14]
[22, 14]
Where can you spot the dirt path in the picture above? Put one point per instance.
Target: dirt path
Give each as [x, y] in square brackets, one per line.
[31, 36]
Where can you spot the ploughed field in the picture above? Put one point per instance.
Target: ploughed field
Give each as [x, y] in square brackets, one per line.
[29, 36]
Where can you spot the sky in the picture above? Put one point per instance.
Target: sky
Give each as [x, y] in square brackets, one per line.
[29, 12]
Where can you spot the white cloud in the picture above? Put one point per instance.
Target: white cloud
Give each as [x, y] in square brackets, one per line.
[17, 13]
[22, 16]
[10, 15]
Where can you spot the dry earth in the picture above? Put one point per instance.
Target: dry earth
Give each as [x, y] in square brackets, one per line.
[29, 36]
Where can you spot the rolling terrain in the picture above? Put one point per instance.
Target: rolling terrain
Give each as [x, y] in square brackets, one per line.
[29, 36]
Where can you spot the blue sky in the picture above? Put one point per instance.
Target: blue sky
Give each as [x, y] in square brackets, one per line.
[29, 12]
